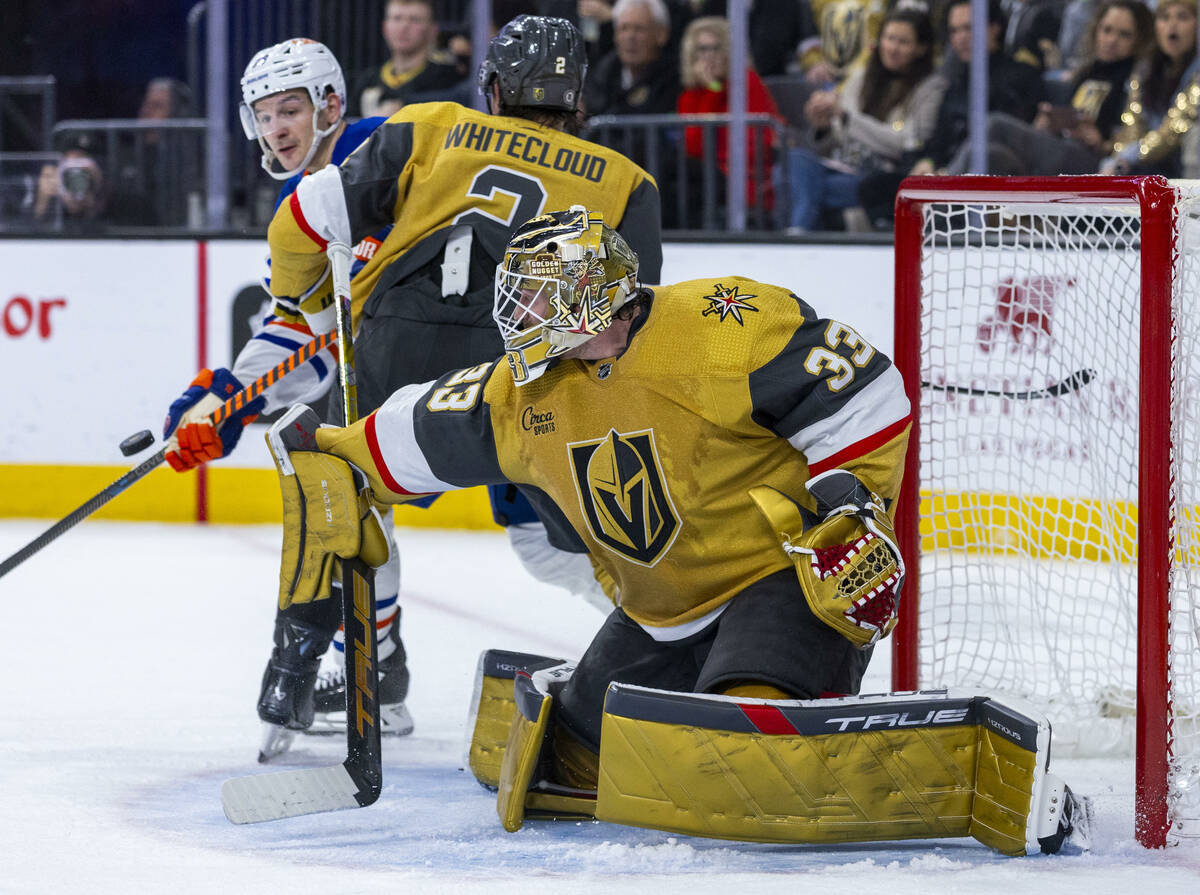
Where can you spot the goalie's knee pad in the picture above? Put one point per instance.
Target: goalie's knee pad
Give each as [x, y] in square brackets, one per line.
[528, 787]
[855, 769]
[493, 709]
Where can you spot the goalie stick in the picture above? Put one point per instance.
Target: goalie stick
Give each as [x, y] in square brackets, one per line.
[1072, 383]
[249, 393]
[358, 780]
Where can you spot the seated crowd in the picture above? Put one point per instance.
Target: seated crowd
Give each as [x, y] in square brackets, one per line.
[845, 97]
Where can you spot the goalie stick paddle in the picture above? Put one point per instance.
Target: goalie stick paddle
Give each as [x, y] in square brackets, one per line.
[1072, 383]
[249, 393]
[357, 781]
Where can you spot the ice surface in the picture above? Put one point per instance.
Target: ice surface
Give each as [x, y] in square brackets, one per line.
[133, 660]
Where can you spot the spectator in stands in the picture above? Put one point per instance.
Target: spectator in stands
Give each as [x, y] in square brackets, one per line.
[166, 98]
[639, 76]
[75, 196]
[1077, 19]
[596, 26]
[410, 74]
[1031, 34]
[1014, 87]
[457, 41]
[775, 29]
[704, 73]
[1163, 98]
[1073, 139]
[883, 109]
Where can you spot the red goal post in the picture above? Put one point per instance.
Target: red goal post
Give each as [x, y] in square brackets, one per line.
[1047, 330]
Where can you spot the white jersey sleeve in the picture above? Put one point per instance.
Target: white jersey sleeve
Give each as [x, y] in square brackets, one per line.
[274, 342]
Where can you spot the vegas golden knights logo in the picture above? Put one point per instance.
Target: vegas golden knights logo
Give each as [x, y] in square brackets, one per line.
[624, 496]
[843, 32]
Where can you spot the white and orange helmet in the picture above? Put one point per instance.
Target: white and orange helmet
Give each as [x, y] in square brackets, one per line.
[296, 64]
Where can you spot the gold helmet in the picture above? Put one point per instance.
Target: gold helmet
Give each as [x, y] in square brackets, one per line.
[563, 278]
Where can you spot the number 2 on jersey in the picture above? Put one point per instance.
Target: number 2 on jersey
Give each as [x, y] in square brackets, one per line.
[528, 194]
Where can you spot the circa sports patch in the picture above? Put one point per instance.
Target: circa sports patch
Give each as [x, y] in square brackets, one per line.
[623, 494]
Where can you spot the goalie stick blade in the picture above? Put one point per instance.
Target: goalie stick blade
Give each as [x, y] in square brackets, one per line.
[357, 781]
[263, 797]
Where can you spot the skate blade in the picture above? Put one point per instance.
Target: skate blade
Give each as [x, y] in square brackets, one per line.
[394, 720]
[276, 740]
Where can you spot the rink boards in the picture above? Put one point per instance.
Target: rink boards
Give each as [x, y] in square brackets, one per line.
[99, 336]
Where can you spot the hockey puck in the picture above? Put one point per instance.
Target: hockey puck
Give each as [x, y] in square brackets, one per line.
[135, 444]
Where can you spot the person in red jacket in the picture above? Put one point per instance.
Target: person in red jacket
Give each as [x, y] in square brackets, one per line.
[704, 63]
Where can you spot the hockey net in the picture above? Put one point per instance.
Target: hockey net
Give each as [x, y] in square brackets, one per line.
[1049, 331]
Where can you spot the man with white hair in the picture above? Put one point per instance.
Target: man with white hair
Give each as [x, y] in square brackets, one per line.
[641, 74]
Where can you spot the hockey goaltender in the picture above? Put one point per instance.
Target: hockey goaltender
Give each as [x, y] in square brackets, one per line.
[727, 457]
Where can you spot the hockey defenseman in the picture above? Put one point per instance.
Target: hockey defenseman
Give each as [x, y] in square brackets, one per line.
[429, 223]
[728, 457]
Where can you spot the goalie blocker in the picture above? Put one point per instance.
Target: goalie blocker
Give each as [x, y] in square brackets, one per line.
[925, 765]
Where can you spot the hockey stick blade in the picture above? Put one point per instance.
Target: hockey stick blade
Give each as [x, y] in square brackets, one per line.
[249, 393]
[1072, 383]
[261, 797]
[357, 781]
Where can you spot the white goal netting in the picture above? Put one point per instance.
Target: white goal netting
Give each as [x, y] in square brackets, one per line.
[1029, 457]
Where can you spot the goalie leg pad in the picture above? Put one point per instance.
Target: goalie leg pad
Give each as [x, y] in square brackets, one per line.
[493, 709]
[855, 769]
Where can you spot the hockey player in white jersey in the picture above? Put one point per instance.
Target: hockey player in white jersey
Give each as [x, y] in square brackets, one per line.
[293, 102]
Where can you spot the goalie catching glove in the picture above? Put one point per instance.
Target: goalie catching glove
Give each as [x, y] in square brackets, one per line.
[845, 556]
[192, 439]
[327, 510]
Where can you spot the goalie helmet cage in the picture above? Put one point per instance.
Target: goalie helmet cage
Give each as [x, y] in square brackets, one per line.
[1048, 330]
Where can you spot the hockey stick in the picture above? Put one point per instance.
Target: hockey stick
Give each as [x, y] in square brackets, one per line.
[357, 781]
[249, 393]
[1072, 383]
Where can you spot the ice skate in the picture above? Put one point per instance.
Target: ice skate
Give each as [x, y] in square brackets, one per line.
[1072, 833]
[329, 699]
[285, 701]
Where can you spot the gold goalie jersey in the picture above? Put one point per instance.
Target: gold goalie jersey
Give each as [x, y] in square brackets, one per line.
[432, 167]
[727, 383]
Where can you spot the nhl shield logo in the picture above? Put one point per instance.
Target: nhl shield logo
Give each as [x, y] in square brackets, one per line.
[624, 496]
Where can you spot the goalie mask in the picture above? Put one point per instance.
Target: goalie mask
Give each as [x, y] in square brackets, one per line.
[562, 280]
[297, 64]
